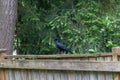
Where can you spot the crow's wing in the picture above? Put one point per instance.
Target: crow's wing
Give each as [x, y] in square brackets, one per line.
[61, 45]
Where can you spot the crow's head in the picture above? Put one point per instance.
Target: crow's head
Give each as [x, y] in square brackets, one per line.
[56, 39]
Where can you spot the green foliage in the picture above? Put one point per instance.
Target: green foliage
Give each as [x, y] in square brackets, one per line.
[82, 26]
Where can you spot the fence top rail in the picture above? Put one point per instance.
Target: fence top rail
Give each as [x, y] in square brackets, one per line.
[115, 52]
[59, 56]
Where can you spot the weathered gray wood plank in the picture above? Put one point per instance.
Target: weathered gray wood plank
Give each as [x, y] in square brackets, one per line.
[49, 75]
[35, 75]
[18, 75]
[43, 74]
[71, 75]
[57, 75]
[64, 75]
[2, 74]
[79, 75]
[101, 76]
[63, 65]
[7, 74]
[109, 76]
[60, 56]
[86, 76]
[29, 74]
[23, 74]
[11, 74]
[93, 75]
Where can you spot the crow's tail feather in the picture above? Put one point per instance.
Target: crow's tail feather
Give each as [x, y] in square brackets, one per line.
[69, 52]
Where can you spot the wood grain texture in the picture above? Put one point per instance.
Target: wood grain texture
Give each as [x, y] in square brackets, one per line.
[57, 75]
[59, 56]
[49, 75]
[93, 75]
[64, 75]
[43, 75]
[7, 75]
[18, 75]
[79, 75]
[2, 74]
[71, 75]
[63, 65]
[35, 75]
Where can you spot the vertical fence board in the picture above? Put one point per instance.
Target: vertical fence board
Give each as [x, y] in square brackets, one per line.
[29, 74]
[35, 74]
[79, 75]
[57, 75]
[108, 58]
[93, 76]
[119, 75]
[2, 74]
[49, 75]
[71, 75]
[24, 74]
[7, 74]
[43, 75]
[86, 76]
[11, 74]
[17, 75]
[109, 76]
[101, 76]
[64, 75]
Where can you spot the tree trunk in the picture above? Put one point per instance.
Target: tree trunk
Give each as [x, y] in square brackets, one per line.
[8, 15]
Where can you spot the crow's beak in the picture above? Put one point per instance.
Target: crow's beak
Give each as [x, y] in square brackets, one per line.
[55, 39]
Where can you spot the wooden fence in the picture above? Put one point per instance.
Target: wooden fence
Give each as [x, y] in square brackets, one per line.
[104, 66]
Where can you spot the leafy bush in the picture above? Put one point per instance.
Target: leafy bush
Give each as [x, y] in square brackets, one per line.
[81, 25]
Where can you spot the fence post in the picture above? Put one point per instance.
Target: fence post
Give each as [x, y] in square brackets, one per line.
[115, 51]
[2, 71]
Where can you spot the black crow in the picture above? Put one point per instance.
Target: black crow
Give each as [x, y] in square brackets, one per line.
[61, 46]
